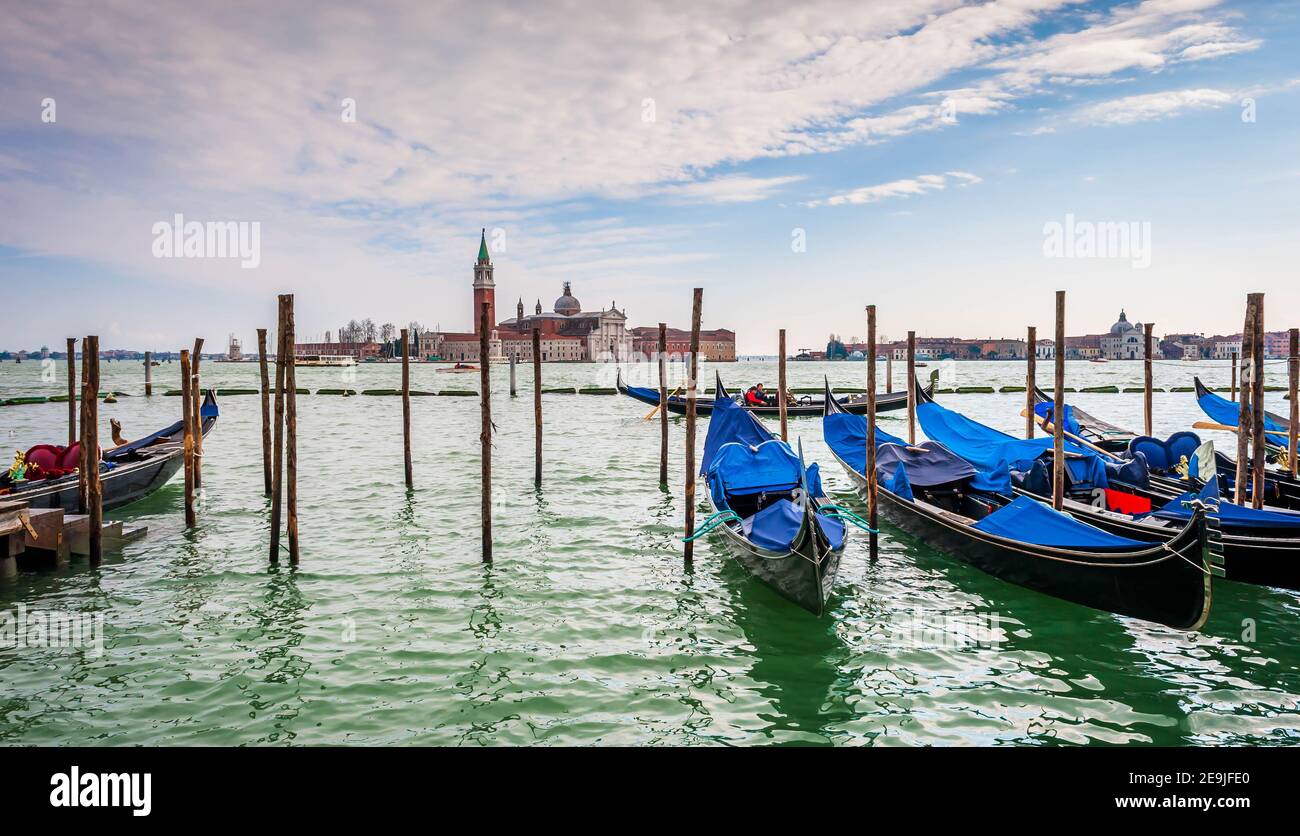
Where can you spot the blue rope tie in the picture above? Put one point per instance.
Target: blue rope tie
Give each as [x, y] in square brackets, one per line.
[841, 513]
[711, 523]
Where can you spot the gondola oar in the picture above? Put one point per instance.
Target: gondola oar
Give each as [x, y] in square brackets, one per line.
[1082, 442]
[1210, 425]
[655, 411]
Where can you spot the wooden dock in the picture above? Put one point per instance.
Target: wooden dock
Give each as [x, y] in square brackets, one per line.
[36, 536]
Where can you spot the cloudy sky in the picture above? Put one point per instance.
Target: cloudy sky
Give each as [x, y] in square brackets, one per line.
[797, 160]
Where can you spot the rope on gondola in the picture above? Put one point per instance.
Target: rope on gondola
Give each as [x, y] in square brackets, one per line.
[842, 513]
[711, 523]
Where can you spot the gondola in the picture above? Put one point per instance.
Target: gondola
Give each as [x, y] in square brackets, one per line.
[1163, 456]
[806, 405]
[945, 501]
[1227, 412]
[769, 507]
[1259, 546]
[127, 473]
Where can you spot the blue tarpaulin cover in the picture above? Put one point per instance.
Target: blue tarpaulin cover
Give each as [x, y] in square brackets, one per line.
[990, 450]
[1030, 521]
[898, 484]
[775, 527]
[1227, 412]
[1043, 409]
[928, 464]
[1231, 514]
[730, 422]
[739, 469]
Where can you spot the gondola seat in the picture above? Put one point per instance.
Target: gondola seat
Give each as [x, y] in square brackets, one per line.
[1164, 456]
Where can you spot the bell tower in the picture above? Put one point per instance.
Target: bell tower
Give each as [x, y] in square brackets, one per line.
[484, 286]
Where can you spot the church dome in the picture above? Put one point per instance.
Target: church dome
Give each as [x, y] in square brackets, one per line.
[1122, 326]
[567, 304]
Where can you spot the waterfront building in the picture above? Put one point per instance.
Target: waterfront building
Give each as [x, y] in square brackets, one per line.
[568, 333]
[716, 345]
[357, 351]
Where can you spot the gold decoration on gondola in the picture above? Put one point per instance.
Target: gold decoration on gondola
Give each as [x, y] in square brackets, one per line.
[18, 472]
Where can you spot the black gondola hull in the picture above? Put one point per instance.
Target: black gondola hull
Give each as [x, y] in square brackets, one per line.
[677, 405]
[803, 576]
[121, 485]
[1171, 589]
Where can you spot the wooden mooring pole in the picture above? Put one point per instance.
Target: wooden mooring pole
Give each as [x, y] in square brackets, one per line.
[1147, 406]
[82, 459]
[692, 386]
[1293, 382]
[1244, 431]
[1235, 355]
[911, 387]
[1058, 408]
[869, 468]
[1031, 379]
[1258, 443]
[290, 432]
[196, 395]
[72, 391]
[889, 371]
[780, 382]
[513, 391]
[187, 421]
[266, 410]
[277, 453]
[148, 374]
[537, 408]
[485, 431]
[406, 407]
[94, 488]
[663, 405]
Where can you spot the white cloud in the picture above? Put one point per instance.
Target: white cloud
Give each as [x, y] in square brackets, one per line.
[1148, 106]
[909, 187]
[492, 113]
[733, 188]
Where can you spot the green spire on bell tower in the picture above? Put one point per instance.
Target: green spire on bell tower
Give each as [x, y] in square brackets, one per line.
[482, 247]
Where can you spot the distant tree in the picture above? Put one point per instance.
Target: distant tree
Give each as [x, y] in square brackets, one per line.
[386, 332]
[369, 330]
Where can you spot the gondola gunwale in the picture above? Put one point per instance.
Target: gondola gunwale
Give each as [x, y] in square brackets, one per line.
[904, 513]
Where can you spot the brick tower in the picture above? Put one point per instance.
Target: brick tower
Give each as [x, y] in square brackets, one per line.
[484, 286]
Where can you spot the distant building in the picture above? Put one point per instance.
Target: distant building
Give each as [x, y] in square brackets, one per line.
[566, 334]
[1122, 342]
[1226, 348]
[716, 346]
[358, 351]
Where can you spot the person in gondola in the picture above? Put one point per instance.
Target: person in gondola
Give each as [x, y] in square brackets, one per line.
[755, 396]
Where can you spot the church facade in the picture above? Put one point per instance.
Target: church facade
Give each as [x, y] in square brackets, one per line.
[567, 333]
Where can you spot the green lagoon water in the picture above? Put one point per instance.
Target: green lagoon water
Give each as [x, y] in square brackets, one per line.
[588, 629]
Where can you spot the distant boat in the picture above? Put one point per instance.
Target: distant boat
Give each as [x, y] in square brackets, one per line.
[459, 368]
[1098, 360]
[324, 360]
